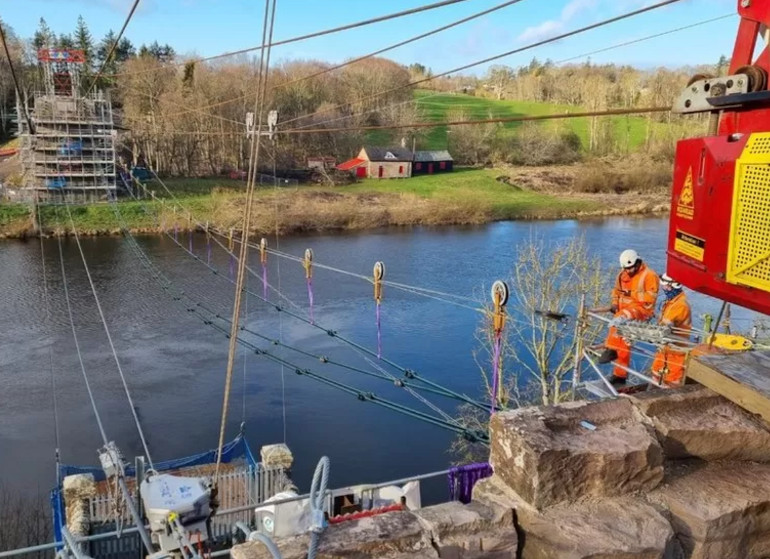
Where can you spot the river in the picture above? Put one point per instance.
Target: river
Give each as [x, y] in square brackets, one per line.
[175, 364]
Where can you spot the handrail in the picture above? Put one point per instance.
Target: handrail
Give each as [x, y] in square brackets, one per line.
[134, 529]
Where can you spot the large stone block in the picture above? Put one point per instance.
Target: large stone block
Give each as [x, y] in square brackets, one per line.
[469, 531]
[693, 421]
[547, 456]
[619, 527]
[384, 535]
[720, 511]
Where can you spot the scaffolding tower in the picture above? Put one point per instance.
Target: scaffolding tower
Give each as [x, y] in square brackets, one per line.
[70, 150]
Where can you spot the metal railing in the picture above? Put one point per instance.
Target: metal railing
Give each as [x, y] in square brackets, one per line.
[224, 520]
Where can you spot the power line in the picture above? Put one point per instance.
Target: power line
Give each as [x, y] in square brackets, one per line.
[313, 35]
[502, 55]
[646, 38]
[15, 80]
[365, 56]
[114, 46]
[419, 101]
[500, 120]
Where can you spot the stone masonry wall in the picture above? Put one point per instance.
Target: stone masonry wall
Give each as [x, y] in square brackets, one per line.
[675, 474]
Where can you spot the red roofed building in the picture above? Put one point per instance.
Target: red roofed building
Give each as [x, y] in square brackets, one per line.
[380, 163]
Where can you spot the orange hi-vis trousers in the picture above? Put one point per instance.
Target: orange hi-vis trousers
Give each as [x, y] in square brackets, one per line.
[621, 346]
[668, 366]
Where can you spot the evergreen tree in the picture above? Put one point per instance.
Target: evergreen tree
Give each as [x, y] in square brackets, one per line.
[124, 51]
[65, 42]
[164, 53]
[43, 37]
[84, 41]
[104, 48]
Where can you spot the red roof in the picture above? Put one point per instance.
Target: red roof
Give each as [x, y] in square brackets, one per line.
[351, 164]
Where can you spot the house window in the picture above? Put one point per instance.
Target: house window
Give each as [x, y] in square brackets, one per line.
[418, 166]
[389, 155]
[400, 169]
[442, 165]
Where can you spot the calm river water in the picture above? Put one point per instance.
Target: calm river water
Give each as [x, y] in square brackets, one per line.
[175, 364]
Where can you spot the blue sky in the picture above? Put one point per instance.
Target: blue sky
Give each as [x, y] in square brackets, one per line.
[208, 27]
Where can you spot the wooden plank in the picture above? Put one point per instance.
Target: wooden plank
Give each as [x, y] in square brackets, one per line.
[742, 378]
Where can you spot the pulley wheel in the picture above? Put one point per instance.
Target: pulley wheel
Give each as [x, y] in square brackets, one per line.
[500, 289]
[698, 77]
[379, 271]
[757, 77]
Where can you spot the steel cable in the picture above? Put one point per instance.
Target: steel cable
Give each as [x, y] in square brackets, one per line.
[109, 336]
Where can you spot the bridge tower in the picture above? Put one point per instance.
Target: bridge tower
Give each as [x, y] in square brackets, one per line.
[70, 150]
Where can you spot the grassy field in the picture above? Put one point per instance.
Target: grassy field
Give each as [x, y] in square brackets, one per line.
[435, 106]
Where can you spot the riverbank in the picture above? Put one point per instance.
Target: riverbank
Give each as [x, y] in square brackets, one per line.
[465, 197]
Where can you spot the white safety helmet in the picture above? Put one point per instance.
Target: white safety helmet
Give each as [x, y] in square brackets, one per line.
[628, 258]
[670, 282]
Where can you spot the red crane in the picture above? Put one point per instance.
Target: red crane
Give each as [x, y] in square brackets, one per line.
[719, 233]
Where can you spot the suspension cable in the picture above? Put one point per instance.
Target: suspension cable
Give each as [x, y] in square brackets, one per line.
[166, 284]
[109, 336]
[445, 423]
[360, 58]
[307, 36]
[410, 373]
[77, 346]
[434, 124]
[113, 47]
[498, 56]
[15, 80]
[47, 297]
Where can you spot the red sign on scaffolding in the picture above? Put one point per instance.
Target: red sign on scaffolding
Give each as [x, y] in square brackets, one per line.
[61, 55]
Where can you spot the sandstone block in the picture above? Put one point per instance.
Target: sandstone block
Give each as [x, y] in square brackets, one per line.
[469, 531]
[620, 527]
[384, 535]
[547, 457]
[693, 421]
[721, 511]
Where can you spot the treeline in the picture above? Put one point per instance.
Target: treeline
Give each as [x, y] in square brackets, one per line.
[191, 119]
[186, 117]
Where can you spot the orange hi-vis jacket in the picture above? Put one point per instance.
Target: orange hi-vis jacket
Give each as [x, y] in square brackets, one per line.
[668, 364]
[676, 313]
[634, 296]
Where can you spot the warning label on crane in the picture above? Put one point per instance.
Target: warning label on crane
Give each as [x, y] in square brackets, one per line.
[685, 207]
[693, 247]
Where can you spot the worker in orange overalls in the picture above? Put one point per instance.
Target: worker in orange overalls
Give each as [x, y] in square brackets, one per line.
[633, 298]
[668, 365]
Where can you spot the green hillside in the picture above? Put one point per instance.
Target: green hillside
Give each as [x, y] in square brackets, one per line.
[629, 130]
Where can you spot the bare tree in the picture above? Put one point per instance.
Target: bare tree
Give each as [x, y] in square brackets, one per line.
[499, 78]
[538, 349]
